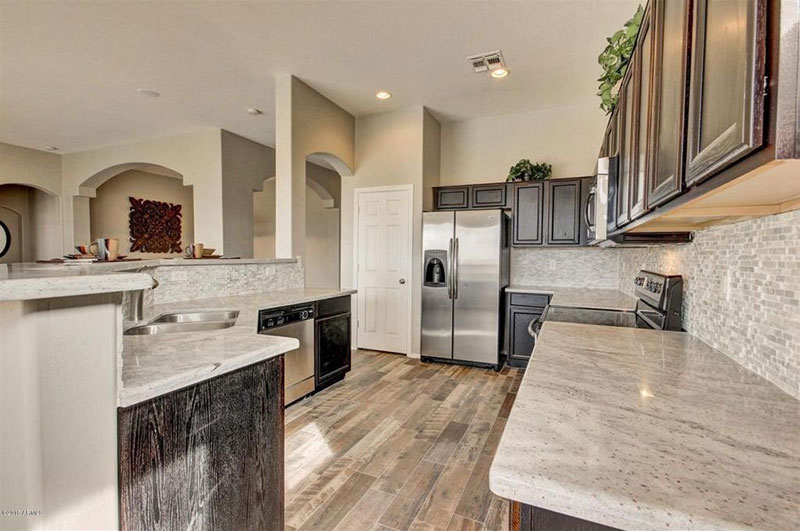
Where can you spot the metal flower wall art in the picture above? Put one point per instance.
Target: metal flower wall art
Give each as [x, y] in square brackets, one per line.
[155, 226]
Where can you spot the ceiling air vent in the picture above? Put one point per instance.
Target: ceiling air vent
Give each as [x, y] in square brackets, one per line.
[486, 61]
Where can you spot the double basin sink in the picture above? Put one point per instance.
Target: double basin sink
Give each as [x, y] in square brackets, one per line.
[193, 321]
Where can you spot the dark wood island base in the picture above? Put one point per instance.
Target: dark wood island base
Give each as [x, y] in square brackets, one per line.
[209, 456]
[529, 518]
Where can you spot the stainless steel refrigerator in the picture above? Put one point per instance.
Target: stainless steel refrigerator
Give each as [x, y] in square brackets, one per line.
[465, 261]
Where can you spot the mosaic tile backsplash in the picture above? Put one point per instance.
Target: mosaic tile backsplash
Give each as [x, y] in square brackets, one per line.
[182, 283]
[741, 287]
[741, 291]
[586, 267]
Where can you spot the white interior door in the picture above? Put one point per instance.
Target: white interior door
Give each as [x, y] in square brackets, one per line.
[384, 269]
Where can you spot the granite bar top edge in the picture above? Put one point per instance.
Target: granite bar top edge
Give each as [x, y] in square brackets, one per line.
[20, 289]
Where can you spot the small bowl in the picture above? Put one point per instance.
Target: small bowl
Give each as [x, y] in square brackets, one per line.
[208, 252]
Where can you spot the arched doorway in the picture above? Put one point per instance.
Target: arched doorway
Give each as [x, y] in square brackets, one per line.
[323, 224]
[105, 210]
[31, 222]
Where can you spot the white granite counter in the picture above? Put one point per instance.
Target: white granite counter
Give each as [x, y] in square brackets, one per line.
[610, 299]
[161, 363]
[644, 429]
[43, 281]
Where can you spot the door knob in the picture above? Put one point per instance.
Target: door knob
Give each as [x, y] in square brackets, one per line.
[402, 281]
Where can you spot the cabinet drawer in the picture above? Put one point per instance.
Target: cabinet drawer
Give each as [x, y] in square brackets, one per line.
[529, 299]
[451, 198]
[489, 196]
[333, 306]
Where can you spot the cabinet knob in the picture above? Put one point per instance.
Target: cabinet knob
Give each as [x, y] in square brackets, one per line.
[402, 281]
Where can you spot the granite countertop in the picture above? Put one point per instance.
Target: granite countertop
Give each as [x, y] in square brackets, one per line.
[44, 281]
[609, 299]
[161, 363]
[644, 429]
[29, 280]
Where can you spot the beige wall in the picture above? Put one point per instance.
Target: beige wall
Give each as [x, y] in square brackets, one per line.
[110, 208]
[483, 149]
[321, 262]
[431, 158]
[245, 165]
[40, 169]
[33, 218]
[197, 157]
[389, 152]
[306, 123]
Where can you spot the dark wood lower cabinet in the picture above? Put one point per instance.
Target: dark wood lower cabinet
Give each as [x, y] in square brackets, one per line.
[528, 518]
[209, 456]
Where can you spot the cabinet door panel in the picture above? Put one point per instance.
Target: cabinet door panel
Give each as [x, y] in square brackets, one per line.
[644, 70]
[521, 342]
[489, 196]
[627, 149]
[671, 32]
[528, 214]
[564, 213]
[726, 103]
[451, 198]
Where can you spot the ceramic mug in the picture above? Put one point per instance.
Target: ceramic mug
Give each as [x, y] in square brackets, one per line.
[195, 250]
[106, 249]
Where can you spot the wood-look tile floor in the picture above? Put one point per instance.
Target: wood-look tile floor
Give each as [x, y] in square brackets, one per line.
[398, 445]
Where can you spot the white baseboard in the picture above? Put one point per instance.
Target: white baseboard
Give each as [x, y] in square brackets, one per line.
[415, 355]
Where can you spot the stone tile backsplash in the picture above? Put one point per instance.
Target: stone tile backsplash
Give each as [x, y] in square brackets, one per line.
[741, 287]
[183, 283]
[741, 291]
[566, 268]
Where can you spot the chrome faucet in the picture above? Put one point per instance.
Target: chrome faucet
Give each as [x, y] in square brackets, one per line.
[136, 300]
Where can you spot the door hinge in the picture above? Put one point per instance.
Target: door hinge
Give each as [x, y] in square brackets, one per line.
[765, 87]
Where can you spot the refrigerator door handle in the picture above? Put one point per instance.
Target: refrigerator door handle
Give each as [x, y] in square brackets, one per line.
[450, 273]
[455, 270]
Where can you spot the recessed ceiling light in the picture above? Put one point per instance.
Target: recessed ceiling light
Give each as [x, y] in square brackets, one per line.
[51, 148]
[383, 95]
[499, 73]
[147, 92]
[254, 112]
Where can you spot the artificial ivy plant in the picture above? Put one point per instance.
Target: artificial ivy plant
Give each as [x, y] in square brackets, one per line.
[615, 59]
[525, 170]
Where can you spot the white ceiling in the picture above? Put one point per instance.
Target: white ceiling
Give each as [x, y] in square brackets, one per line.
[69, 70]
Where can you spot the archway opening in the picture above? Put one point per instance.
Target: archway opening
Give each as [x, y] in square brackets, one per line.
[323, 223]
[31, 224]
[145, 206]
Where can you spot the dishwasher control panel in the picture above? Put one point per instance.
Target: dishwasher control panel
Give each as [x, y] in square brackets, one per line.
[275, 317]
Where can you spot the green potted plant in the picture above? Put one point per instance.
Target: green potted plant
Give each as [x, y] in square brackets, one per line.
[615, 59]
[525, 170]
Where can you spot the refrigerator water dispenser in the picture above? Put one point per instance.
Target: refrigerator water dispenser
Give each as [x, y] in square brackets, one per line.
[436, 268]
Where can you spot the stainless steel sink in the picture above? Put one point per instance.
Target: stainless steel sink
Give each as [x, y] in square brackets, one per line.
[198, 317]
[196, 321]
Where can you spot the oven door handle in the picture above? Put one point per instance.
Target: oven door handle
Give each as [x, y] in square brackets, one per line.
[534, 327]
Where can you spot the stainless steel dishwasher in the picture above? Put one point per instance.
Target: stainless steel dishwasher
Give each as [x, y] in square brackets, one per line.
[297, 322]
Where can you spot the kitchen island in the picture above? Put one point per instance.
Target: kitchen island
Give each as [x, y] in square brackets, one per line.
[102, 420]
[640, 429]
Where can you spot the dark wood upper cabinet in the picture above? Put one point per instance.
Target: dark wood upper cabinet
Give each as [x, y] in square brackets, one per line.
[670, 29]
[643, 70]
[489, 196]
[627, 146]
[563, 212]
[528, 205]
[451, 197]
[727, 85]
